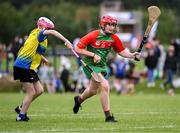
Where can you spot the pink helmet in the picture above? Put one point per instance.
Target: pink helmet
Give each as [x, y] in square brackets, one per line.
[46, 23]
[107, 20]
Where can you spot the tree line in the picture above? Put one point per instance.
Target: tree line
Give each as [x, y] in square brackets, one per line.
[74, 18]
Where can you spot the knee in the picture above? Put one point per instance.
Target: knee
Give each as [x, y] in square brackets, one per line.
[105, 88]
[32, 92]
[93, 92]
[39, 91]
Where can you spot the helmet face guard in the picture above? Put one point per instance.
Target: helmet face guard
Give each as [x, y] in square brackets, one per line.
[46, 23]
[107, 20]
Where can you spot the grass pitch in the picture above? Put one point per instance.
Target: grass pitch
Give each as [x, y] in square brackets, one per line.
[53, 113]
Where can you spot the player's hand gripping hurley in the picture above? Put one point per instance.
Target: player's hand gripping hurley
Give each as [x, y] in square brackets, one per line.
[153, 12]
[95, 76]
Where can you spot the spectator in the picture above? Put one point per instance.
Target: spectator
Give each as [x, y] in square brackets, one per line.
[16, 45]
[120, 74]
[65, 79]
[170, 68]
[1, 57]
[110, 65]
[65, 62]
[47, 77]
[132, 78]
[150, 62]
[80, 82]
[159, 52]
[135, 41]
[176, 44]
[75, 42]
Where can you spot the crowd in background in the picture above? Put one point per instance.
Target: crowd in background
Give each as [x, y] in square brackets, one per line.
[162, 63]
[159, 63]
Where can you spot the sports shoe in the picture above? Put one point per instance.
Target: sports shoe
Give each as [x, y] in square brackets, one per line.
[17, 109]
[77, 105]
[21, 117]
[110, 119]
[27, 117]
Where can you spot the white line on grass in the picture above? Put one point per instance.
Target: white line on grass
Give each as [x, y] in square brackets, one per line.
[152, 127]
[16, 131]
[80, 129]
[105, 129]
[95, 114]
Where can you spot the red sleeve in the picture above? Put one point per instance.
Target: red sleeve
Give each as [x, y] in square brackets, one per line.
[87, 39]
[118, 46]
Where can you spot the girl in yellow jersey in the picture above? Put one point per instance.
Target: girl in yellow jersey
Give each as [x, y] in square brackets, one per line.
[29, 58]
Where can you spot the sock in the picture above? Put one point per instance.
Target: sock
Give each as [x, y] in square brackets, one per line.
[107, 113]
[80, 100]
[22, 113]
[20, 107]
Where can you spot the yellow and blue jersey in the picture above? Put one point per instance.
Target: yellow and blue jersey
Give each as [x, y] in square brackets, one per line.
[29, 56]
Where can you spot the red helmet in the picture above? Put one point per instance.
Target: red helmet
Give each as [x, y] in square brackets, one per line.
[46, 23]
[107, 20]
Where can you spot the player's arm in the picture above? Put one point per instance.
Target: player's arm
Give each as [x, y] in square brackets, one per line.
[59, 36]
[85, 41]
[83, 51]
[45, 60]
[125, 53]
[118, 47]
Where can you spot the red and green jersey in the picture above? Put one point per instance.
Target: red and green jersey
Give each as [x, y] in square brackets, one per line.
[101, 45]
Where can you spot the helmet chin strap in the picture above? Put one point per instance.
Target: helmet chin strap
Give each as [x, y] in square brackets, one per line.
[41, 28]
[106, 33]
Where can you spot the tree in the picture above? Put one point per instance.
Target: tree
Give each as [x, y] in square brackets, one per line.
[9, 20]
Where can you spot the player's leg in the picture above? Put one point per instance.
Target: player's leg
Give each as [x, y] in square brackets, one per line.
[170, 81]
[90, 91]
[38, 89]
[33, 90]
[30, 93]
[104, 96]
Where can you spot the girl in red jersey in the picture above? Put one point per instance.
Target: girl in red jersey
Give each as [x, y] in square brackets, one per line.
[95, 46]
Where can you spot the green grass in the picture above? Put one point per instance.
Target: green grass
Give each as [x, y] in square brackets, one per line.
[53, 113]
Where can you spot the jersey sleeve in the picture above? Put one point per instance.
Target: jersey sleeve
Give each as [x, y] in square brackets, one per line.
[118, 46]
[41, 36]
[87, 39]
